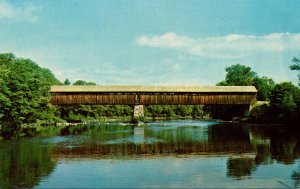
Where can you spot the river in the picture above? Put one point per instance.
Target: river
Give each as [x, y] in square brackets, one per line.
[164, 154]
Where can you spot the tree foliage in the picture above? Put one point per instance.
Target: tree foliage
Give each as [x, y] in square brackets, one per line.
[24, 93]
[296, 66]
[238, 75]
[67, 82]
[284, 106]
[81, 82]
[264, 87]
[82, 112]
[195, 111]
[285, 102]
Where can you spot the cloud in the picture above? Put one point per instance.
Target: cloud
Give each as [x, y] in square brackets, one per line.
[169, 40]
[18, 13]
[231, 46]
[268, 55]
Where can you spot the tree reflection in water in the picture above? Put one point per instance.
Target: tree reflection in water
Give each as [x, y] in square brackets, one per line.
[276, 142]
[296, 177]
[24, 163]
[240, 167]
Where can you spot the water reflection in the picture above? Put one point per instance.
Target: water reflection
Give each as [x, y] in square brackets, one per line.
[261, 144]
[154, 138]
[24, 163]
[280, 143]
[296, 177]
[246, 148]
[240, 167]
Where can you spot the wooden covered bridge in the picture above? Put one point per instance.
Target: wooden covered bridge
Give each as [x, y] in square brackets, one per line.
[152, 95]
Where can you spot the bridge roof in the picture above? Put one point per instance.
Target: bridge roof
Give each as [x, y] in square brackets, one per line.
[122, 88]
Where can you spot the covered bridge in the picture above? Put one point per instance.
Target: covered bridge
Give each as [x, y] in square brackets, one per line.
[152, 95]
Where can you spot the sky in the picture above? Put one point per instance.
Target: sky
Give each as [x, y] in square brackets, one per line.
[153, 42]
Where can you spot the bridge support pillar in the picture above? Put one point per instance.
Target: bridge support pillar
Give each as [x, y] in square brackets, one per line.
[138, 111]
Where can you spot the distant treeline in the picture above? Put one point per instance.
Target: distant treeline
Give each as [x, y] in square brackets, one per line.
[85, 112]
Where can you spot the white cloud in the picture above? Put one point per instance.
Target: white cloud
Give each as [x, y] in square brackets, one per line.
[170, 40]
[268, 55]
[18, 13]
[231, 46]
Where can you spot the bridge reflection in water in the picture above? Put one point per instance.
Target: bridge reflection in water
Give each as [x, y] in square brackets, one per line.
[117, 140]
[243, 148]
[246, 147]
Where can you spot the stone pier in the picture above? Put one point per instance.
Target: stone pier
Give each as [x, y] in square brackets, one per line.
[138, 111]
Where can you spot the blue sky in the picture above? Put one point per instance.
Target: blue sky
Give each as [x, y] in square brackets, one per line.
[153, 42]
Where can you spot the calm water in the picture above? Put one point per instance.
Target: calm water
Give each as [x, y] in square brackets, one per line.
[157, 155]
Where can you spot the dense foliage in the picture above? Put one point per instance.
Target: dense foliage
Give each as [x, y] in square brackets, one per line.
[284, 98]
[88, 112]
[24, 93]
[83, 112]
[240, 75]
[264, 87]
[285, 102]
[284, 106]
[195, 111]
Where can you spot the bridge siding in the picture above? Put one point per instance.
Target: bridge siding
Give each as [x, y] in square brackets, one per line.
[151, 98]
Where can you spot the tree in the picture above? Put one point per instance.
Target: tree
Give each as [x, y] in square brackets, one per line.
[24, 93]
[238, 75]
[67, 82]
[285, 102]
[296, 66]
[81, 82]
[264, 87]
[184, 110]
[155, 110]
[198, 112]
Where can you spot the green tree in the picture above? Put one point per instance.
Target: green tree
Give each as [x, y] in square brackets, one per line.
[264, 87]
[67, 82]
[168, 111]
[285, 102]
[296, 66]
[81, 82]
[238, 75]
[24, 93]
[184, 110]
[198, 112]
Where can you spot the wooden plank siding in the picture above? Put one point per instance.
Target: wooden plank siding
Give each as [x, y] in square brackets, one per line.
[148, 98]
